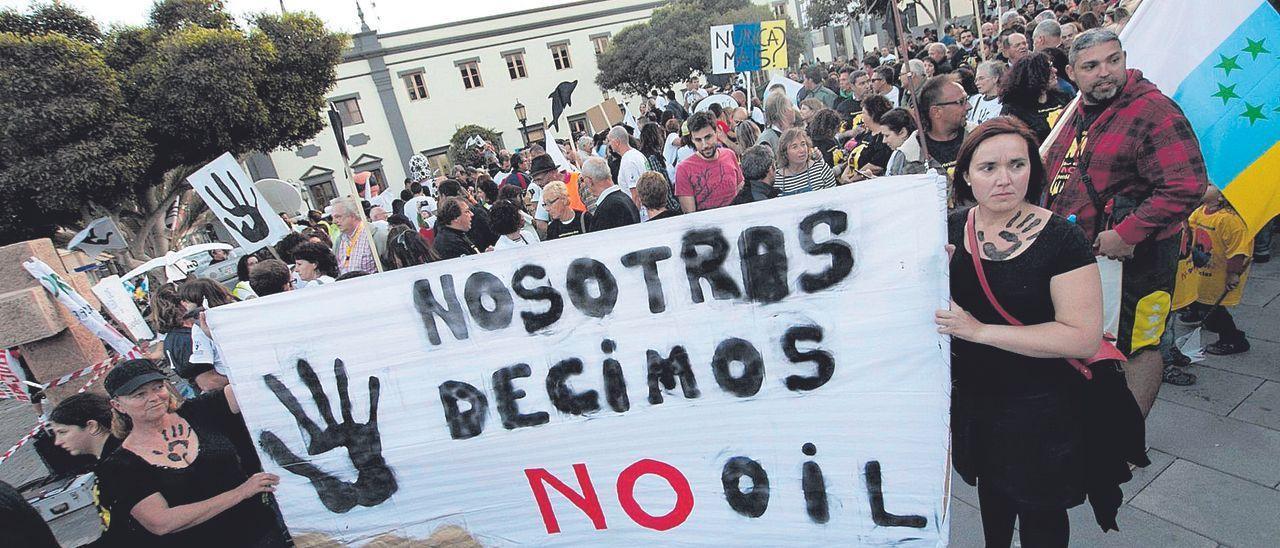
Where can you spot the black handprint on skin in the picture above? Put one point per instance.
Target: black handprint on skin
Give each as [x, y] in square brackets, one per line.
[1014, 239]
[375, 482]
[177, 442]
[255, 228]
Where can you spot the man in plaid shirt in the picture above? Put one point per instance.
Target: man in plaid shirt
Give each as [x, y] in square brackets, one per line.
[1128, 167]
[351, 247]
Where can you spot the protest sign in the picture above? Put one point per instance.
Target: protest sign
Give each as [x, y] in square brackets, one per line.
[120, 305]
[758, 374]
[231, 196]
[59, 289]
[101, 235]
[748, 46]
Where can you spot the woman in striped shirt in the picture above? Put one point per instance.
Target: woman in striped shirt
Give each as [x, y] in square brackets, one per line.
[800, 166]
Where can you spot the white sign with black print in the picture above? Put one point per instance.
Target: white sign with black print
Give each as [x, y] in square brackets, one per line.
[229, 192]
[102, 234]
[767, 374]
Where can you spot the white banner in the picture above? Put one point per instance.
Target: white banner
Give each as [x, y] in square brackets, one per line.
[766, 374]
[80, 308]
[231, 196]
[101, 235]
[120, 305]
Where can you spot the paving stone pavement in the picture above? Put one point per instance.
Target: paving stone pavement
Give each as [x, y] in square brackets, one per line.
[1214, 478]
[1215, 451]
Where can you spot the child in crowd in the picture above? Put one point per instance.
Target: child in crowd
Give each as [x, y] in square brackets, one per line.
[1221, 248]
[1185, 292]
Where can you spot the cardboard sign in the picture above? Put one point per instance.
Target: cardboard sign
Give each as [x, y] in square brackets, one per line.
[748, 47]
[605, 114]
[755, 374]
[231, 196]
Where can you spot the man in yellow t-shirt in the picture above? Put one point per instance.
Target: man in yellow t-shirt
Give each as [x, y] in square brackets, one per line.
[1224, 247]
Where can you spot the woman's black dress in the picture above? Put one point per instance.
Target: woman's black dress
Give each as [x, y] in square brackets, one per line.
[1017, 421]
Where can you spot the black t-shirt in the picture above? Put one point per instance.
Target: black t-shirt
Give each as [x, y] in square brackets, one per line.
[828, 147]
[113, 534]
[216, 469]
[874, 152]
[1021, 285]
[945, 152]
[560, 229]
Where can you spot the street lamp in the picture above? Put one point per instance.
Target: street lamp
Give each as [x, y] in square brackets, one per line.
[523, 117]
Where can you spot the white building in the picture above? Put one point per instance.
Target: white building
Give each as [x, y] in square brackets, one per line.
[406, 92]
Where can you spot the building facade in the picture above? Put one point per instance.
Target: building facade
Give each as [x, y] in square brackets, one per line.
[407, 92]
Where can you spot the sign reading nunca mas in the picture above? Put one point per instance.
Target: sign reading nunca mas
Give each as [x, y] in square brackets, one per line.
[749, 46]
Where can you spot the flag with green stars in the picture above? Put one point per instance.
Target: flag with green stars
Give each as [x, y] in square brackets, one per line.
[1220, 61]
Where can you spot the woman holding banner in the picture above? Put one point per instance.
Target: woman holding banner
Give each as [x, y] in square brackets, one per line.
[176, 479]
[1018, 425]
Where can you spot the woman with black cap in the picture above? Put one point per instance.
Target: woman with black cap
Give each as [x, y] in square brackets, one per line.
[176, 478]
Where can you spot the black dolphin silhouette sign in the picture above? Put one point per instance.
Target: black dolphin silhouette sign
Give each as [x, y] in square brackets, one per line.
[93, 239]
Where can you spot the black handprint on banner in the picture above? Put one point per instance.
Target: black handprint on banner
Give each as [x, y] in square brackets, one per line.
[255, 229]
[375, 482]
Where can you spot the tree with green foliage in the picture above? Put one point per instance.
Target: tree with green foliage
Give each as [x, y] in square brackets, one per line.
[112, 124]
[462, 155]
[676, 41]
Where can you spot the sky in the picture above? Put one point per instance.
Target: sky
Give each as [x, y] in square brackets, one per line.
[339, 15]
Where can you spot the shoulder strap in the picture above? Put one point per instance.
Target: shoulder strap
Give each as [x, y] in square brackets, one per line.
[971, 245]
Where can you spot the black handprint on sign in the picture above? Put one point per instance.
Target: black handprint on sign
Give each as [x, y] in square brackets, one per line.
[255, 229]
[375, 482]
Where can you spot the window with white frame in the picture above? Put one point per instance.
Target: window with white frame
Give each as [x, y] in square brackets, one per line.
[416, 83]
[560, 55]
[515, 65]
[470, 74]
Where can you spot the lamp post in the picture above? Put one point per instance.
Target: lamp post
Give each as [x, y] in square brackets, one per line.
[523, 117]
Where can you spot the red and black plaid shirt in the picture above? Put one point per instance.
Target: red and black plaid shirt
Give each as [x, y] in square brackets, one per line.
[1141, 147]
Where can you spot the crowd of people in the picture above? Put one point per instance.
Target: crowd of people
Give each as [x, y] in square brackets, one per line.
[1123, 179]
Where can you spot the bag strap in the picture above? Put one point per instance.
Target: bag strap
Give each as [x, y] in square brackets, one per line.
[970, 245]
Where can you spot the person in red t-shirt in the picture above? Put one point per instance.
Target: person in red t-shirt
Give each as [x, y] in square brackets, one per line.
[710, 178]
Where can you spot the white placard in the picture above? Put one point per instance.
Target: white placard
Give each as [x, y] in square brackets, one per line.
[119, 303]
[541, 395]
[722, 49]
[231, 196]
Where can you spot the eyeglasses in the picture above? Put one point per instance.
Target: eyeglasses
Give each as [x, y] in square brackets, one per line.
[964, 102]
